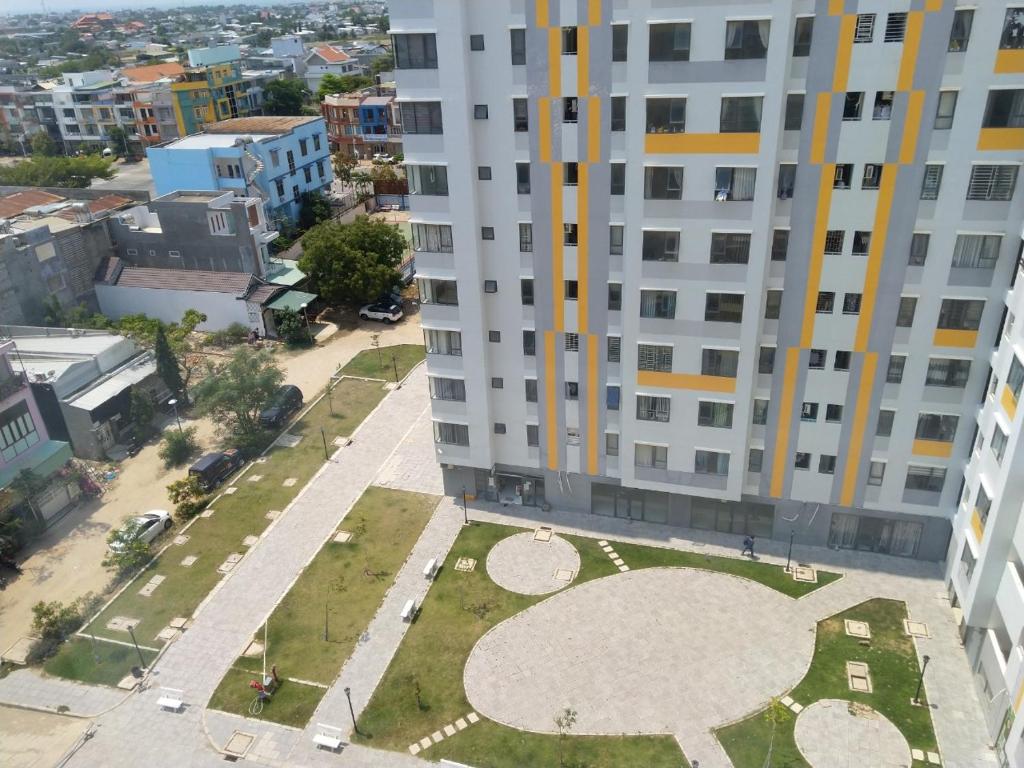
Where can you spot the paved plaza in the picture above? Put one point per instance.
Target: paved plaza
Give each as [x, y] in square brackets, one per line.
[831, 734]
[522, 563]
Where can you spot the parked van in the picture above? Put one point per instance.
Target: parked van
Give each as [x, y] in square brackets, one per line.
[214, 468]
[286, 401]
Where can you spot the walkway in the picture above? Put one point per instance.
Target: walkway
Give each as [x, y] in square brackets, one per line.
[49, 693]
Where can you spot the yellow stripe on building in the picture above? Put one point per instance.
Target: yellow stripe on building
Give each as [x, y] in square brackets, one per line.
[876, 253]
[702, 143]
[979, 532]
[911, 45]
[1009, 402]
[691, 381]
[945, 337]
[936, 449]
[858, 425]
[781, 458]
[1001, 139]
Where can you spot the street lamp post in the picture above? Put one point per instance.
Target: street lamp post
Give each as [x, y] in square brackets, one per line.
[142, 661]
[394, 363]
[323, 436]
[305, 314]
[465, 514]
[351, 711]
[173, 402]
[920, 680]
[789, 555]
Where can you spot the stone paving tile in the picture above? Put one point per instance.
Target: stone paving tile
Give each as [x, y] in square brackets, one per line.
[26, 687]
[521, 564]
[827, 735]
[414, 467]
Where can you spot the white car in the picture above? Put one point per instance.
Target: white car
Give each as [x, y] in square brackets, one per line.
[388, 313]
[382, 157]
[147, 527]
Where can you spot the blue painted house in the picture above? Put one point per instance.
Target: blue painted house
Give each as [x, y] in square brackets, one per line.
[276, 158]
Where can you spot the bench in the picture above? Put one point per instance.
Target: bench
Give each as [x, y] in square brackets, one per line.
[409, 611]
[328, 737]
[170, 699]
[431, 569]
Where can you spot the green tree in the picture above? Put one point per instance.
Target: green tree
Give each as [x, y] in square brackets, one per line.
[176, 447]
[42, 171]
[342, 84]
[127, 552]
[292, 328]
[27, 484]
[167, 365]
[343, 165]
[381, 64]
[144, 330]
[118, 138]
[313, 209]
[352, 262]
[54, 620]
[188, 497]
[235, 392]
[43, 145]
[564, 722]
[142, 409]
[361, 180]
[284, 97]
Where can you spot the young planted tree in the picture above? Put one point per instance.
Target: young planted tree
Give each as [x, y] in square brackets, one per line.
[314, 208]
[235, 392]
[27, 484]
[188, 497]
[564, 722]
[776, 714]
[43, 145]
[343, 165]
[352, 262]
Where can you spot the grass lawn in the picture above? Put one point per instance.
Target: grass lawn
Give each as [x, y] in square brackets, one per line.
[349, 580]
[212, 539]
[892, 659]
[772, 576]
[373, 365]
[105, 664]
[459, 608]
[291, 704]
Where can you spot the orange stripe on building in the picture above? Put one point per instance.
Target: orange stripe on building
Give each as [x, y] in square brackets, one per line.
[844, 50]
[1001, 139]
[781, 458]
[817, 253]
[593, 398]
[557, 246]
[859, 424]
[819, 133]
[691, 381]
[911, 45]
[702, 143]
[876, 253]
[554, 61]
[911, 127]
[551, 398]
[582, 247]
[582, 61]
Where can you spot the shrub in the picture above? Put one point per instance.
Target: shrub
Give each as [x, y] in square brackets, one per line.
[132, 554]
[177, 446]
[252, 444]
[292, 328]
[188, 497]
[235, 333]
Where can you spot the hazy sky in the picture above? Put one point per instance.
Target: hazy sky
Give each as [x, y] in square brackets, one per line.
[38, 6]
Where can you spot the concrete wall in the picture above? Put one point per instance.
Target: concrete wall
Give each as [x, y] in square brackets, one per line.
[221, 309]
[178, 169]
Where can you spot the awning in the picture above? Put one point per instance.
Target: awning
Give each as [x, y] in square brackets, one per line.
[286, 272]
[44, 459]
[292, 300]
[112, 387]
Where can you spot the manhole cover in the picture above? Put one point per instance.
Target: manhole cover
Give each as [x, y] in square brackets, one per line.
[542, 534]
[239, 743]
[915, 628]
[289, 441]
[179, 622]
[465, 564]
[858, 629]
[254, 478]
[563, 574]
[230, 490]
[805, 573]
[858, 676]
[341, 537]
[167, 634]
[188, 561]
[206, 513]
[250, 541]
[180, 539]
[122, 623]
[290, 481]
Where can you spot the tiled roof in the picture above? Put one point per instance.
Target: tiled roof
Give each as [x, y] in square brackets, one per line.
[153, 72]
[261, 294]
[235, 283]
[19, 202]
[264, 124]
[331, 54]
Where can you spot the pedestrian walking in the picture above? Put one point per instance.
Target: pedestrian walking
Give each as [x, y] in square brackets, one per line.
[748, 546]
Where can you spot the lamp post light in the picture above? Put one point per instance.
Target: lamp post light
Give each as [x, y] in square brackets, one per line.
[142, 661]
[305, 314]
[789, 555]
[351, 711]
[394, 364]
[173, 402]
[920, 681]
[323, 436]
[465, 514]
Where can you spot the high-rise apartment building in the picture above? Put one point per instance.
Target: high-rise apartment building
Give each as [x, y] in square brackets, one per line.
[985, 568]
[739, 268]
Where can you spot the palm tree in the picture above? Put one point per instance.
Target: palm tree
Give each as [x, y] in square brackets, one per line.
[361, 180]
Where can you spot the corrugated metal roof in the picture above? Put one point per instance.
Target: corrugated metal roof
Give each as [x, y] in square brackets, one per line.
[19, 202]
[115, 385]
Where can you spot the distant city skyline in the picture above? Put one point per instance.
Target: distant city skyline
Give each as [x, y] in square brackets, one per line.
[68, 6]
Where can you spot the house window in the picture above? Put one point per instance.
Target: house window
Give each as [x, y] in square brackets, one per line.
[826, 303]
[772, 305]
[827, 464]
[809, 412]
[740, 114]
[816, 359]
[851, 303]
[570, 109]
[447, 389]
[760, 412]
[531, 390]
[611, 443]
[657, 304]
[930, 479]
[755, 459]
[303, 149]
[802, 36]
[529, 343]
[654, 357]
[906, 311]
[569, 41]
[572, 288]
[427, 179]
[894, 373]
[614, 297]
[434, 238]
[710, 463]
[876, 472]
[614, 349]
[945, 110]
[872, 177]
[570, 234]
[316, 142]
[572, 390]
[833, 412]
[570, 174]
[669, 42]
[802, 460]
[936, 426]
[842, 361]
[523, 178]
[517, 44]
[976, 251]
[532, 435]
[486, 233]
[932, 181]
[780, 244]
[525, 237]
[843, 176]
[1004, 109]
[572, 342]
[1015, 377]
[719, 362]
[17, 431]
[497, 382]
[961, 314]
[618, 113]
[794, 111]
[734, 183]
[947, 372]
[520, 115]
[620, 41]
[415, 51]
[307, 173]
[663, 183]
[730, 247]
[864, 31]
[616, 236]
[747, 39]
[650, 456]
[895, 27]
[490, 286]
[992, 182]
[883, 105]
[483, 173]
[714, 414]
[451, 434]
[834, 241]
[421, 117]
[998, 444]
[526, 291]
[494, 337]
[279, 188]
[651, 408]
[787, 180]
[960, 33]
[499, 428]
[766, 360]
[723, 307]
[1013, 30]
[919, 249]
[885, 420]
[618, 178]
[442, 342]
[861, 243]
[660, 246]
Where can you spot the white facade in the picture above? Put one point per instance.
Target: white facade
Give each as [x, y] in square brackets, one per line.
[856, 434]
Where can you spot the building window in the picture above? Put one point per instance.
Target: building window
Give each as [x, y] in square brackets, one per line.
[526, 291]
[497, 382]
[947, 372]
[976, 251]
[842, 360]
[611, 443]
[307, 173]
[1004, 109]
[525, 237]
[734, 183]
[827, 464]
[766, 360]
[723, 307]
[876, 472]
[794, 111]
[439, 292]
[415, 51]
[895, 27]
[710, 463]
[864, 32]
[570, 174]
[740, 114]
[572, 390]
[816, 359]
[316, 142]
[851, 303]
[614, 349]
[279, 188]
[760, 412]
[961, 314]
[532, 435]
[650, 456]
[1013, 30]
[427, 179]
[615, 297]
[654, 357]
[620, 41]
[802, 36]
[529, 343]
[780, 244]
[669, 42]
[571, 290]
[618, 178]
[787, 180]
[618, 113]
[802, 460]
[960, 33]
[936, 426]
[499, 428]
[929, 479]
[919, 248]
[826, 302]
[861, 243]
[520, 115]
[494, 336]
[932, 181]
[490, 286]
[853, 104]
[660, 246]
[303, 150]
[843, 176]
[571, 342]
[616, 236]
[719, 362]
[809, 412]
[569, 41]
[483, 173]
[992, 182]
[652, 408]
[1015, 378]
[894, 373]
[476, 42]
[451, 434]
[906, 311]
[479, 111]
[531, 390]
[772, 305]
[421, 117]
[447, 389]
[435, 238]
[730, 247]
[486, 233]
[711, 413]
[17, 431]
[872, 177]
[755, 459]
[570, 234]
[834, 241]
[833, 412]
[658, 304]
[663, 183]
[747, 39]
[570, 109]
[945, 110]
[523, 178]
[883, 105]
[885, 420]
[998, 444]
[517, 44]
[442, 342]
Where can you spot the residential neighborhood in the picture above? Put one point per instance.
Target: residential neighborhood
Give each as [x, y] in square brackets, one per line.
[488, 385]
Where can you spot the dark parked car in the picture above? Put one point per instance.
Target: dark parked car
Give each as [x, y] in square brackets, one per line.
[214, 468]
[286, 401]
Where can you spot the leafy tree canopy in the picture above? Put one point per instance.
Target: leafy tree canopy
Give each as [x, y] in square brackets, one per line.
[352, 262]
[43, 171]
[284, 97]
[314, 208]
[42, 144]
[342, 84]
[235, 392]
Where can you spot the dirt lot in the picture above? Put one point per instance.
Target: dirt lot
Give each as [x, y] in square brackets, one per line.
[36, 739]
[65, 564]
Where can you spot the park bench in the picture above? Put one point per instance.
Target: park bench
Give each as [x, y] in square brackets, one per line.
[327, 737]
[409, 610]
[170, 699]
[431, 569]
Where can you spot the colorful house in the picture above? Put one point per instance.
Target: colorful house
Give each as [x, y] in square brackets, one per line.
[212, 89]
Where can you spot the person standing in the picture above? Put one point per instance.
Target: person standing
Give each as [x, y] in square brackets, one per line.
[748, 546]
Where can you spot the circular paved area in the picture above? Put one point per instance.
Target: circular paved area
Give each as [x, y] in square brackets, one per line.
[658, 650]
[829, 736]
[524, 565]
